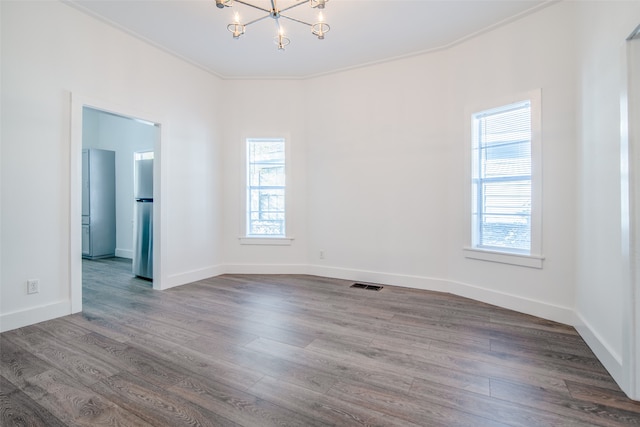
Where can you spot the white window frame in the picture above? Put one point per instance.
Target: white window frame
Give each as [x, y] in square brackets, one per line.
[534, 258]
[245, 238]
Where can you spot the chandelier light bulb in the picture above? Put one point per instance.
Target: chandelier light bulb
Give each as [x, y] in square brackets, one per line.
[281, 40]
[319, 29]
[236, 28]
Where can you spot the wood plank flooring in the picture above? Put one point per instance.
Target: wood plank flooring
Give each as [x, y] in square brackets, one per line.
[282, 350]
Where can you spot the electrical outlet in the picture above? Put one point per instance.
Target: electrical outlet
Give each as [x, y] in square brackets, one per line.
[33, 286]
[321, 253]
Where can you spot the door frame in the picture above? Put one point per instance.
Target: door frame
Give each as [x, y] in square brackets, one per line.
[78, 102]
[630, 189]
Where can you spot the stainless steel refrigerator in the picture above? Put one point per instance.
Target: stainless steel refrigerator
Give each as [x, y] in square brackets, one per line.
[143, 215]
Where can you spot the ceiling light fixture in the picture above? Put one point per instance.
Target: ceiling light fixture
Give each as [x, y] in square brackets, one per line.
[237, 29]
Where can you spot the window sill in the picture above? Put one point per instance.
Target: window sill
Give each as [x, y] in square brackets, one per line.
[531, 261]
[270, 241]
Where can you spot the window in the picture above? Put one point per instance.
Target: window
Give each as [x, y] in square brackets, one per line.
[502, 178]
[266, 187]
[505, 207]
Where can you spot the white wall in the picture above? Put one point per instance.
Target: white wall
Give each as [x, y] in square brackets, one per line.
[49, 51]
[378, 164]
[256, 109]
[125, 136]
[386, 166]
[601, 284]
[536, 52]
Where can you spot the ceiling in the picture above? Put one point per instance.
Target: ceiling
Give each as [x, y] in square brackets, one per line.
[362, 31]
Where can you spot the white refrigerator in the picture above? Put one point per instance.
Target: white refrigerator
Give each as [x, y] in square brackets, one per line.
[98, 203]
[143, 215]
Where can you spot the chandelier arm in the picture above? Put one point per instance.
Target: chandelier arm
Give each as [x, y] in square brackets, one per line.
[295, 5]
[253, 6]
[257, 20]
[296, 20]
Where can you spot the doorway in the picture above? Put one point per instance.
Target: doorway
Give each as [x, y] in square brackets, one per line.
[109, 221]
[103, 126]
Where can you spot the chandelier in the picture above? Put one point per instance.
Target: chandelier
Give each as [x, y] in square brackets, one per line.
[318, 29]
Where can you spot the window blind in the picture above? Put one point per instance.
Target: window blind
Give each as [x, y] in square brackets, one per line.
[502, 180]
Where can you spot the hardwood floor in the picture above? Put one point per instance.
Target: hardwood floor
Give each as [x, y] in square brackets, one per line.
[297, 351]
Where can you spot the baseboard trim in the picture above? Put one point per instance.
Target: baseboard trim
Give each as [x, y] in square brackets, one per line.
[192, 276]
[33, 315]
[523, 305]
[545, 310]
[391, 279]
[205, 273]
[611, 360]
[124, 253]
[266, 269]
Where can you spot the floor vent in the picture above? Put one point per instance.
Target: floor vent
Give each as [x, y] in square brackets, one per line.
[367, 287]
